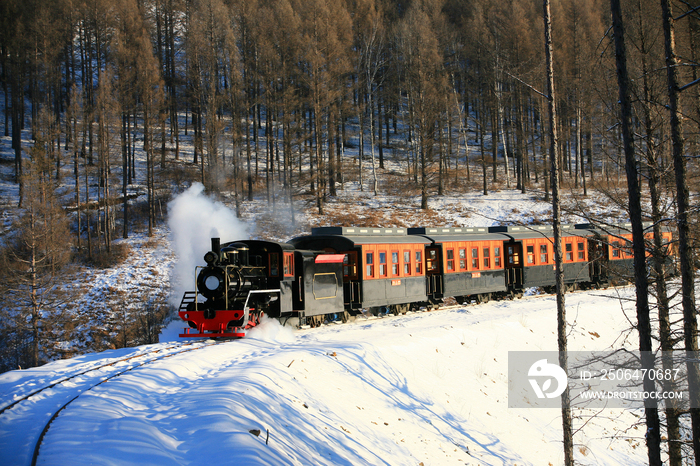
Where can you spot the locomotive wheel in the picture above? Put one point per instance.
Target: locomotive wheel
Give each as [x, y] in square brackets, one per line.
[316, 321]
[571, 287]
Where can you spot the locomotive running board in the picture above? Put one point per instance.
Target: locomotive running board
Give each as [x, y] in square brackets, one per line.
[187, 334]
[217, 326]
[210, 328]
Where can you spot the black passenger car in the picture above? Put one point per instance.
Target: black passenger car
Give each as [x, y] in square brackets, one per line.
[529, 256]
[466, 263]
[384, 267]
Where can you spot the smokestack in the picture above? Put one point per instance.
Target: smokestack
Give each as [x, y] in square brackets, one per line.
[216, 246]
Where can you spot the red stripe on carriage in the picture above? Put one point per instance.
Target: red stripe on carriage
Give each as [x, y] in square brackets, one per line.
[330, 258]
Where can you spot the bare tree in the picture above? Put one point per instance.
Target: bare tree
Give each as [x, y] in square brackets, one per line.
[556, 223]
[426, 85]
[39, 250]
[653, 433]
[371, 62]
[685, 255]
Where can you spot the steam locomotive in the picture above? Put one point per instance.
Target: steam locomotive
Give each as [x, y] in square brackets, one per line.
[337, 272]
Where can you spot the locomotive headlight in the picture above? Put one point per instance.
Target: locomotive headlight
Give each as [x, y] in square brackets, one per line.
[212, 282]
[211, 257]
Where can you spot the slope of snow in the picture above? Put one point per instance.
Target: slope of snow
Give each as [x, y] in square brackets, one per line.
[428, 387]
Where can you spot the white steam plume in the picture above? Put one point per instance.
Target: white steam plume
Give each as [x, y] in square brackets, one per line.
[194, 219]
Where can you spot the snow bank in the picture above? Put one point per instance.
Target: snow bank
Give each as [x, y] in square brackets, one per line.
[428, 387]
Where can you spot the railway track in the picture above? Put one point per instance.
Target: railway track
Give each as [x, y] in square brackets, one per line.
[92, 381]
[446, 306]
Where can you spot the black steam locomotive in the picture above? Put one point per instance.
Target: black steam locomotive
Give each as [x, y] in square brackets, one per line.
[338, 271]
[245, 279]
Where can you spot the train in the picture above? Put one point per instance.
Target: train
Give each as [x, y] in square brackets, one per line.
[335, 273]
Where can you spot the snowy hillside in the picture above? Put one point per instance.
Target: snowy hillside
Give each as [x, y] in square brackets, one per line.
[427, 388]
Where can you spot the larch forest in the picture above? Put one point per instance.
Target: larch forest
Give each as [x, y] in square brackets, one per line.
[112, 107]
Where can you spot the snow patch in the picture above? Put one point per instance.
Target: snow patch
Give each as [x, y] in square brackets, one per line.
[271, 330]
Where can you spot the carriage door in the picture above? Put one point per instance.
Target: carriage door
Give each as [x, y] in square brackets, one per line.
[433, 271]
[514, 264]
[597, 258]
[351, 281]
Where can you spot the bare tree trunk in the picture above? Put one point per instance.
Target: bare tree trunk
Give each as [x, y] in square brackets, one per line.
[521, 144]
[494, 144]
[556, 211]
[316, 175]
[125, 158]
[483, 159]
[87, 209]
[685, 253]
[425, 145]
[371, 140]
[36, 314]
[361, 150]
[501, 128]
[331, 155]
[675, 456]
[653, 434]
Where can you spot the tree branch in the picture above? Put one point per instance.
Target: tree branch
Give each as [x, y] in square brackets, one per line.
[526, 84]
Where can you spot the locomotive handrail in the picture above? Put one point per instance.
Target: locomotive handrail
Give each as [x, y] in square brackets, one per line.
[196, 288]
[245, 306]
[226, 284]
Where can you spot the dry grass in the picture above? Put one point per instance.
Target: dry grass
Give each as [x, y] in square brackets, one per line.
[151, 243]
[118, 253]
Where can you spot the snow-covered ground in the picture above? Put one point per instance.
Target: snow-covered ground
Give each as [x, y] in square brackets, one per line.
[426, 388]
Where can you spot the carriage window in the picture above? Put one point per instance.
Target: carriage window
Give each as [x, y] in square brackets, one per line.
[350, 266]
[616, 249]
[395, 263]
[581, 252]
[569, 252]
[419, 262]
[407, 262]
[487, 258]
[497, 257]
[369, 261]
[274, 259]
[382, 264]
[432, 261]
[289, 264]
[462, 259]
[544, 255]
[450, 259]
[531, 254]
[475, 258]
